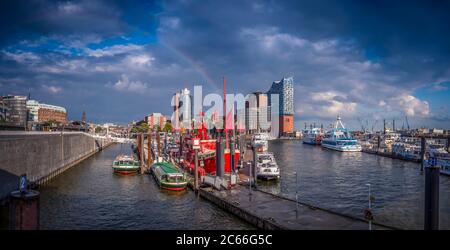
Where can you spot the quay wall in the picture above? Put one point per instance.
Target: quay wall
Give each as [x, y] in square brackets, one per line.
[42, 156]
[253, 219]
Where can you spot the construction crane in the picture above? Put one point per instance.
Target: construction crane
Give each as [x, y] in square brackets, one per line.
[362, 125]
[407, 123]
[374, 124]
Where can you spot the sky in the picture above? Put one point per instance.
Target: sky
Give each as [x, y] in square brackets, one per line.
[121, 60]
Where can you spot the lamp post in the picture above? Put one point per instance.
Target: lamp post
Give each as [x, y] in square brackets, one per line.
[370, 207]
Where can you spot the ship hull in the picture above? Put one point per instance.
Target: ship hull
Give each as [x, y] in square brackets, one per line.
[126, 171]
[311, 141]
[160, 174]
[353, 148]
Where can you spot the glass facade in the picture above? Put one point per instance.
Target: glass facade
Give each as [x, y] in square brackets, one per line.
[17, 109]
[285, 89]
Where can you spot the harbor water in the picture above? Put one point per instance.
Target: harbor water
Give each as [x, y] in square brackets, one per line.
[338, 181]
[90, 196]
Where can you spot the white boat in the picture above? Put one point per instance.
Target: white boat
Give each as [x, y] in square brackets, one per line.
[339, 138]
[312, 136]
[406, 150]
[260, 143]
[267, 167]
[442, 158]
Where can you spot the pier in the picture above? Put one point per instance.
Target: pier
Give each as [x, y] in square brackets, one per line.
[265, 210]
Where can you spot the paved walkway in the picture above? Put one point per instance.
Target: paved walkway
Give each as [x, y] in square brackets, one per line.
[283, 211]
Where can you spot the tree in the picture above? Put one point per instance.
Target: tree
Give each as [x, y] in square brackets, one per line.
[98, 129]
[140, 128]
[143, 128]
[168, 127]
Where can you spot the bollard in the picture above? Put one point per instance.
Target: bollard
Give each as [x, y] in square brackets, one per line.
[432, 198]
[24, 210]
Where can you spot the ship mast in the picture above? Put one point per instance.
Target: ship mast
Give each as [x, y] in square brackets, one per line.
[339, 122]
[225, 130]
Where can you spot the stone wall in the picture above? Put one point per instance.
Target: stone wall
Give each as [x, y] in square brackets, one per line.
[41, 156]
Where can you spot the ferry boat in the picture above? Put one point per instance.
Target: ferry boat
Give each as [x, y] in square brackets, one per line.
[312, 136]
[125, 164]
[267, 167]
[442, 158]
[339, 138]
[169, 176]
[406, 150]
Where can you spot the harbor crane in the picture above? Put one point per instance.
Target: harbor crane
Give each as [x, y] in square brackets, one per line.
[363, 128]
[407, 123]
[374, 124]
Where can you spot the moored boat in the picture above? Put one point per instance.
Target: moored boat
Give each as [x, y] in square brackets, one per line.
[206, 153]
[169, 176]
[442, 158]
[312, 136]
[267, 167]
[260, 143]
[407, 151]
[340, 139]
[125, 164]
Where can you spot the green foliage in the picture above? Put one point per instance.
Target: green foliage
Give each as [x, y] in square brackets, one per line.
[140, 128]
[98, 129]
[168, 127]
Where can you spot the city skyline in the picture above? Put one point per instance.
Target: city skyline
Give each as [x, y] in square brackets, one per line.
[138, 54]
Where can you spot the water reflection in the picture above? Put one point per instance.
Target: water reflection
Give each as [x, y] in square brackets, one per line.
[90, 196]
[337, 181]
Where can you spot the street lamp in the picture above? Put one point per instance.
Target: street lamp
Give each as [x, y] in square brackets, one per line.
[370, 207]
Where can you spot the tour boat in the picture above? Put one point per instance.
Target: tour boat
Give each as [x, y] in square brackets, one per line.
[406, 150]
[267, 167]
[442, 158]
[125, 164]
[339, 138]
[313, 136]
[169, 176]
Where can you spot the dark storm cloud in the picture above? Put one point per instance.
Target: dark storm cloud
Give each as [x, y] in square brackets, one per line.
[24, 19]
